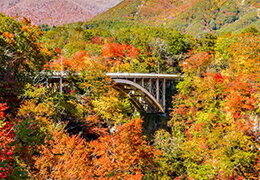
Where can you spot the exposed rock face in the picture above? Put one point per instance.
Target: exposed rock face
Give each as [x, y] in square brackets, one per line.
[56, 12]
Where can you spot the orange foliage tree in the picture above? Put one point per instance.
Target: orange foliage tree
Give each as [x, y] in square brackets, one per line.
[63, 157]
[123, 154]
[77, 62]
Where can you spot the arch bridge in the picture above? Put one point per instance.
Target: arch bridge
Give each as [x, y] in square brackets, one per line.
[146, 91]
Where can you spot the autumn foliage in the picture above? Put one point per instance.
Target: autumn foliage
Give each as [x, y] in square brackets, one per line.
[215, 114]
[6, 147]
[115, 52]
[122, 154]
[91, 130]
[77, 62]
[63, 157]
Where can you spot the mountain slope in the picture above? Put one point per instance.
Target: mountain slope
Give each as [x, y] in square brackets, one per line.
[191, 16]
[56, 12]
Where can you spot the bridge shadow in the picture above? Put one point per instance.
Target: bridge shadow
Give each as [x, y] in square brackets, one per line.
[155, 121]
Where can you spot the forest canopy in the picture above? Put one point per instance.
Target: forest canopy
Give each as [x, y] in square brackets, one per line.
[93, 131]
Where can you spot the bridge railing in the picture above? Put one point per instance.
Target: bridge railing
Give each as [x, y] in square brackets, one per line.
[144, 75]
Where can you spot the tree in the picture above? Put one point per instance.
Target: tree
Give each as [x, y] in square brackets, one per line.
[112, 108]
[214, 115]
[115, 53]
[63, 157]
[123, 154]
[21, 56]
[6, 147]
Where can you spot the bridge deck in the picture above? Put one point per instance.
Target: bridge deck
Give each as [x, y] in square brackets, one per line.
[64, 74]
[143, 75]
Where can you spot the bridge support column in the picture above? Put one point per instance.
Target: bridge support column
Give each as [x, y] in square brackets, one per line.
[164, 94]
[158, 89]
[60, 84]
[150, 86]
[47, 82]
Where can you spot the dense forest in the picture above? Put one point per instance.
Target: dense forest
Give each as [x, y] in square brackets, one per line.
[195, 17]
[92, 131]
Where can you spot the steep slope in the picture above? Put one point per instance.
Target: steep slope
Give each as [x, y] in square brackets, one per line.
[56, 12]
[125, 10]
[191, 16]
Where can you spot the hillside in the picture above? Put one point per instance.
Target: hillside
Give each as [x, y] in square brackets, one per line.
[190, 16]
[55, 12]
[63, 117]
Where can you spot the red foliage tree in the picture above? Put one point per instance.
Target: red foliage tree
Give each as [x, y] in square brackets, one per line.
[6, 149]
[115, 52]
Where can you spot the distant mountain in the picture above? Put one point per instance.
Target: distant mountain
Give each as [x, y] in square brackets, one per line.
[190, 16]
[56, 12]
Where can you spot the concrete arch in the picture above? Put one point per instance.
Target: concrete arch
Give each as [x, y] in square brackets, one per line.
[138, 88]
